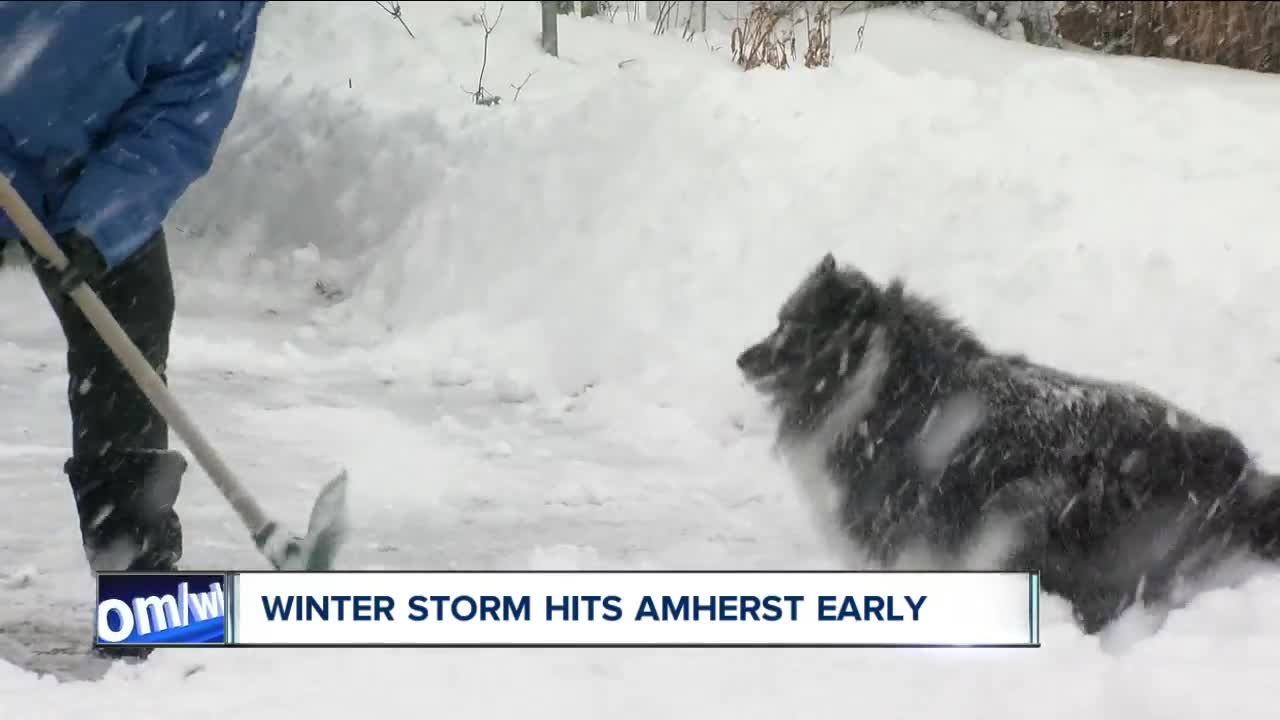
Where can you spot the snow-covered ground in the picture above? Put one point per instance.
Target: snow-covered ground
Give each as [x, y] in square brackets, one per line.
[531, 364]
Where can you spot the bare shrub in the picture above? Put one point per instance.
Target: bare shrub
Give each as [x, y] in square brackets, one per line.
[1240, 34]
[481, 96]
[1243, 34]
[607, 8]
[818, 28]
[664, 20]
[766, 36]
[666, 15]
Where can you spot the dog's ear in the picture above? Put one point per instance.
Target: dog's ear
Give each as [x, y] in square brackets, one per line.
[828, 265]
[893, 304]
[895, 292]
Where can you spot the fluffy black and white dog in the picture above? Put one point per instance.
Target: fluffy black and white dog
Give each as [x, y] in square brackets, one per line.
[924, 443]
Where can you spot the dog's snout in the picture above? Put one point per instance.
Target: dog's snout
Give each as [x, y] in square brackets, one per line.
[755, 360]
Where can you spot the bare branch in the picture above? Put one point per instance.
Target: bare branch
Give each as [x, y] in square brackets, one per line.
[862, 29]
[392, 8]
[520, 87]
[664, 15]
[485, 21]
[688, 32]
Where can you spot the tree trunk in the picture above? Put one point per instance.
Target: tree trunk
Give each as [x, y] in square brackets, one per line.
[589, 8]
[550, 44]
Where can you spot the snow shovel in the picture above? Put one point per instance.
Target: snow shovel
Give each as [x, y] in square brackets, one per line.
[285, 551]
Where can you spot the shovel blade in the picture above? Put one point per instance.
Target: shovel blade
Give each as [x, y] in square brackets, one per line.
[327, 528]
[326, 532]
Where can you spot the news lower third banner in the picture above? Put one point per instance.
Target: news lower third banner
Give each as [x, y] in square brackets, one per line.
[569, 609]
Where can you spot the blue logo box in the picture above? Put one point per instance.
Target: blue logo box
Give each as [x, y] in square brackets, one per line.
[161, 609]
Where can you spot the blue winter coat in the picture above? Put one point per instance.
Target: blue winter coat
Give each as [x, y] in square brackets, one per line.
[110, 110]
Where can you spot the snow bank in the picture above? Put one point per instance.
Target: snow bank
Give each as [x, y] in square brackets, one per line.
[638, 224]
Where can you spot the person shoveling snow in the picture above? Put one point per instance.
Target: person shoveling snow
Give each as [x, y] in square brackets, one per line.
[108, 113]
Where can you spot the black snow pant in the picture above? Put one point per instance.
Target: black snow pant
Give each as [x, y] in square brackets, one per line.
[123, 477]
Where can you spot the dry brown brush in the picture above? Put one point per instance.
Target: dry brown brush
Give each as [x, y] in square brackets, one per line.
[1240, 34]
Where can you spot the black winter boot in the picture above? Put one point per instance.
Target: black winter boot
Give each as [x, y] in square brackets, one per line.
[127, 522]
[125, 501]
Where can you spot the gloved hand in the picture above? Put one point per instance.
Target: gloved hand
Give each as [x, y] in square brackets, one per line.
[85, 264]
